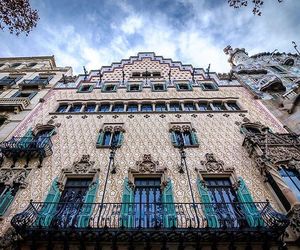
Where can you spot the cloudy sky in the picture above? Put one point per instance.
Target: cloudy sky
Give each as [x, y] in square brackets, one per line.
[96, 33]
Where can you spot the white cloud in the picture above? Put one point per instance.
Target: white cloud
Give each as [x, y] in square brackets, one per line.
[131, 24]
[199, 41]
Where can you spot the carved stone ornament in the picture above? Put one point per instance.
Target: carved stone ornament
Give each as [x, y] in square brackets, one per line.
[147, 168]
[41, 127]
[10, 176]
[271, 82]
[84, 167]
[9, 238]
[212, 165]
[294, 216]
[181, 128]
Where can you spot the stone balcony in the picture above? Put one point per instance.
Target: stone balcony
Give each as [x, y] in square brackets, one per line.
[14, 104]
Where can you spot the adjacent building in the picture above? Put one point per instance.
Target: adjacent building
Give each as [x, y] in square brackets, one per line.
[149, 153]
[24, 83]
[274, 78]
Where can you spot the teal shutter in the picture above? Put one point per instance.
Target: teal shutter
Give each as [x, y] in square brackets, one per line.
[121, 139]
[174, 139]
[194, 138]
[5, 201]
[212, 219]
[49, 208]
[26, 139]
[127, 208]
[91, 88]
[169, 212]
[87, 208]
[51, 132]
[177, 86]
[164, 86]
[190, 86]
[100, 139]
[251, 212]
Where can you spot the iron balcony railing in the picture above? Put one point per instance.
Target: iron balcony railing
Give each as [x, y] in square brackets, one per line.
[27, 146]
[7, 82]
[35, 82]
[168, 216]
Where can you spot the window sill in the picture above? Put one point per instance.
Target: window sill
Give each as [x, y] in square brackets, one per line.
[151, 112]
[105, 146]
[188, 146]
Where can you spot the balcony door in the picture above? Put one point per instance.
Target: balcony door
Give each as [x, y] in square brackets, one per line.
[71, 202]
[43, 136]
[225, 202]
[147, 203]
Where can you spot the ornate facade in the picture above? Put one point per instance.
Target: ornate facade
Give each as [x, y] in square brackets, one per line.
[149, 153]
[274, 78]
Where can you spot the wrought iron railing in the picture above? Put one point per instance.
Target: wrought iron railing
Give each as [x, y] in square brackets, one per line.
[35, 82]
[9, 81]
[27, 146]
[95, 216]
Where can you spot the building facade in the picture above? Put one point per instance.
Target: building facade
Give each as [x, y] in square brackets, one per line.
[274, 78]
[149, 153]
[24, 83]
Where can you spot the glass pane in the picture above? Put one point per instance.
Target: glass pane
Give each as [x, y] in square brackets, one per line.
[106, 138]
[118, 108]
[174, 107]
[146, 107]
[189, 107]
[62, 108]
[160, 107]
[132, 108]
[90, 108]
[75, 108]
[187, 138]
[104, 108]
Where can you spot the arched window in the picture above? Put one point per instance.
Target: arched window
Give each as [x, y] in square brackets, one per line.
[110, 136]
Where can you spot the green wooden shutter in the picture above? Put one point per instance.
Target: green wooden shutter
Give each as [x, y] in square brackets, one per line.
[5, 201]
[194, 138]
[100, 139]
[91, 88]
[190, 86]
[127, 208]
[164, 86]
[87, 208]
[26, 139]
[177, 86]
[49, 208]
[121, 139]
[169, 212]
[251, 212]
[212, 219]
[174, 139]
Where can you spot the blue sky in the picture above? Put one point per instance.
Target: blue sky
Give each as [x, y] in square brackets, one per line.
[97, 33]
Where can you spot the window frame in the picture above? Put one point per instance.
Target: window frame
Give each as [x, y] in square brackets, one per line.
[104, 88]
[90, 89]
[72, 106]
[214, 86]
[59, 106]
[188, 84]
[18, 93]
[143, 104]
[164, 87]
[134, 84]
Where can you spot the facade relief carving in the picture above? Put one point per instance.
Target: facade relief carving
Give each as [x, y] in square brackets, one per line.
[213, 167]
[147, 167]
[14, 176]
[84, 167]
[272, 151]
